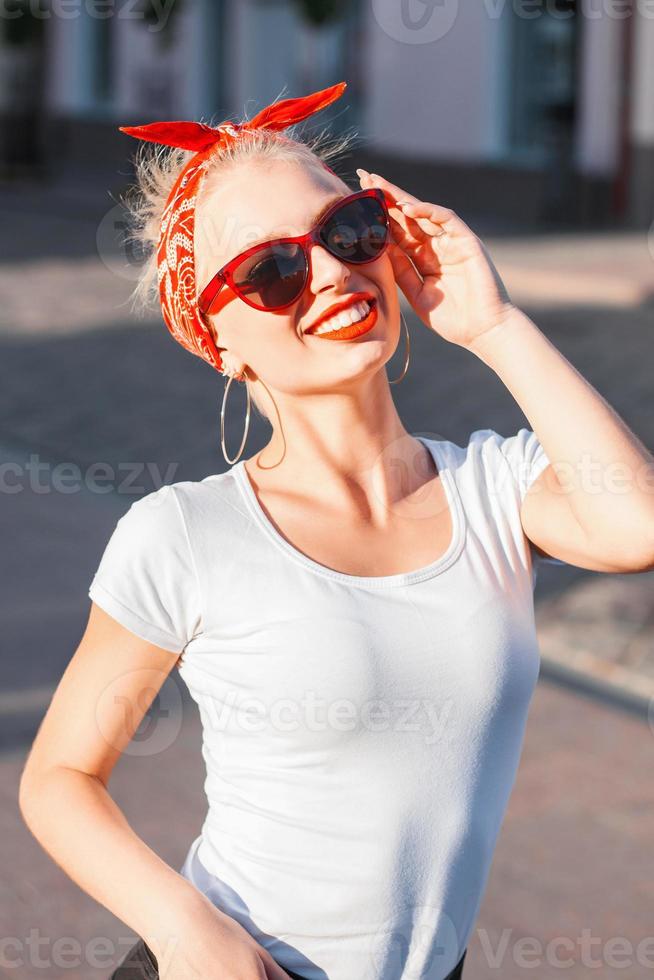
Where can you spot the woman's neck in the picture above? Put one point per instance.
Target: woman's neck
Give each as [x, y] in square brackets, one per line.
[343, 442]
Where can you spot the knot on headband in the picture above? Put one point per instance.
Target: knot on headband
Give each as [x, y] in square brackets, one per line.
[175, 247]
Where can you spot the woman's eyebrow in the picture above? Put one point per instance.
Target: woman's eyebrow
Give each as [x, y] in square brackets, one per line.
[323, 211]
[330, 204]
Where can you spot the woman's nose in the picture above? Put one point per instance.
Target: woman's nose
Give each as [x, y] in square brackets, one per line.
[325, 269]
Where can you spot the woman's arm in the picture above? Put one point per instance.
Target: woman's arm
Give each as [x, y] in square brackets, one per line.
[99, 703]
[594, 506]
[76, 821]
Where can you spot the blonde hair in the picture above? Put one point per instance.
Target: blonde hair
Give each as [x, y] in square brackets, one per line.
[158, 167]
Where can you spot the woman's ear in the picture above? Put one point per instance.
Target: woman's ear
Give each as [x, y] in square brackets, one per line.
[232, 365]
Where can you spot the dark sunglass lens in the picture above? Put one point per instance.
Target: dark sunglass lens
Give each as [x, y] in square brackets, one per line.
[358, 231]
[272, 277]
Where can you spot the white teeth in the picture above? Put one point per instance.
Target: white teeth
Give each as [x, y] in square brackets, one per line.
[343, 319]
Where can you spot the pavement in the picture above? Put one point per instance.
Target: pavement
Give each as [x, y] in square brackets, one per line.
[98, 406]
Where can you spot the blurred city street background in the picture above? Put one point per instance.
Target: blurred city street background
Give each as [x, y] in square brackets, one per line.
[538, 129]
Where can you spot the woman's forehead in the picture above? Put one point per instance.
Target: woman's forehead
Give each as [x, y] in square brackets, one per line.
[264, 202]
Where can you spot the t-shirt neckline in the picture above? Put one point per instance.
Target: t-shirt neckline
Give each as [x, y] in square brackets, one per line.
[449, 556]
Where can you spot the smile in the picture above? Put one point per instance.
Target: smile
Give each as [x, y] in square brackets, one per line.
[358, 319]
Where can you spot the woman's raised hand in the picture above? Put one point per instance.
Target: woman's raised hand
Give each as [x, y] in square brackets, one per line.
[442, 267]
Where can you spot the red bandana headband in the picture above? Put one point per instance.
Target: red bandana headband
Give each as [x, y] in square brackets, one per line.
[175, 251]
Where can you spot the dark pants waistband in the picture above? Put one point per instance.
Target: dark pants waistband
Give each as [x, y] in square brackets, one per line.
[457, 972]
[140, 964]
[454, 974]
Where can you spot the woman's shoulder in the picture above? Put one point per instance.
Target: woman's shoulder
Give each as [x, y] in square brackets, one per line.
[505, 462]
[173, 506]
[214, 499]
[484, 441]
[211, 487]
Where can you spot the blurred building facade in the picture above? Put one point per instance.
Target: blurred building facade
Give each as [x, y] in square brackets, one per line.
[544, 110]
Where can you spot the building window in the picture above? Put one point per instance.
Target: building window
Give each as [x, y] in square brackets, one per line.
[543, 54]
[101, 56]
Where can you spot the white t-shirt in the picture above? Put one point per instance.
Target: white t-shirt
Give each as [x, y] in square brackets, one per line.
[361, 735]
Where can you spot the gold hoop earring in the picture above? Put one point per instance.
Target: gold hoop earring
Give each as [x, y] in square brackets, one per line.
[222, 422]
[408, 352]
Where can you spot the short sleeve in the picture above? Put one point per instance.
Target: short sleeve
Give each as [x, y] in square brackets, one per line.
[526, 460]
[146, 578]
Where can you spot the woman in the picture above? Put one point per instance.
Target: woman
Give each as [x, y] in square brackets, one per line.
[352, 606]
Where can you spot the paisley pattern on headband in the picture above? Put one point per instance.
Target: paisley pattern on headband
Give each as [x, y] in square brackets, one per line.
[178, 291]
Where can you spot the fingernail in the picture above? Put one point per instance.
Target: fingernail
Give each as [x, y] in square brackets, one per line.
[361, 171]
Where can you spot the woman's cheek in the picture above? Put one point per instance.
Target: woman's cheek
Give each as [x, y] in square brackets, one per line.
[272, 354]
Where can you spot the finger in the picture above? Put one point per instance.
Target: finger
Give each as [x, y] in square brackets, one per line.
[412, 213]
[405, 273]
[423, 229]
[364, 178]
[405, 230]
[445, 218]
[391, 194]
[392, 191]
[409, 231]
[436, 213]
[403, 235]
[367, 182]
[427, 259]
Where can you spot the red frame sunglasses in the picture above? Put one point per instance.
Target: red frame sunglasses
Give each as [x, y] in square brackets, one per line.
[285, 273]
